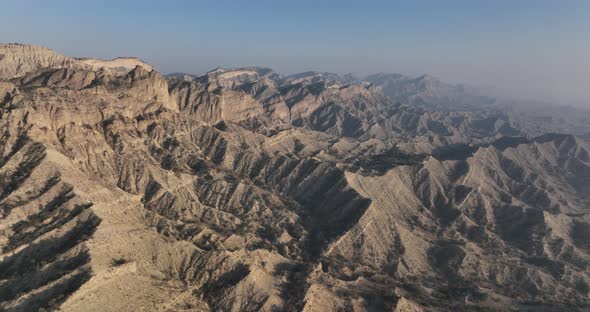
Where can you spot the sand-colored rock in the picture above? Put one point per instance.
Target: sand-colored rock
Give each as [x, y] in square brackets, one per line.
[17, 60]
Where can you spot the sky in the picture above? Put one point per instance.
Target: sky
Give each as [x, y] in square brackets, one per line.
[538, 49]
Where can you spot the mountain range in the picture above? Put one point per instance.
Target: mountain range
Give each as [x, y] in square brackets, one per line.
[122, 189]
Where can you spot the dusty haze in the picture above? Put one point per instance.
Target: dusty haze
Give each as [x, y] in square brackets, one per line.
[533, 49]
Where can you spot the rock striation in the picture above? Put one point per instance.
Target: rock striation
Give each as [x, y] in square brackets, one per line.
[19, 59]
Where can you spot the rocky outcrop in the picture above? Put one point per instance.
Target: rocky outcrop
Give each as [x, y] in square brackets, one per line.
[17, 60]
[120, 64]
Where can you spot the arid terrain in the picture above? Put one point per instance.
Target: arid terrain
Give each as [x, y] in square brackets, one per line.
[122, 189]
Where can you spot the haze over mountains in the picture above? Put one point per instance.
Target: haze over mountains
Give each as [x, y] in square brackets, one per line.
[246, 190]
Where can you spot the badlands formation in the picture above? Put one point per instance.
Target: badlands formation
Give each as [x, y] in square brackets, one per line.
[246, 190]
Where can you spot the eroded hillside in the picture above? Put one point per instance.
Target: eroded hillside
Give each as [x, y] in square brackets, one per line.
[244, 190]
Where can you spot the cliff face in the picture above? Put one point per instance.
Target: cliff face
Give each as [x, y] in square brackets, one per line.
[121, 64]
[243, 190]
[18, 59]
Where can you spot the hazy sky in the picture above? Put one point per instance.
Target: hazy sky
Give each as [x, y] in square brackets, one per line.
[536, 48]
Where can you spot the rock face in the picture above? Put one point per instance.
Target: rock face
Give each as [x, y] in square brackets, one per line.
[122, 64]
[245, 190]
[18, 59]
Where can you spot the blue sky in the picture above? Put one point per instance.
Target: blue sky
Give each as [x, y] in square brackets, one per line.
[534, 48]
